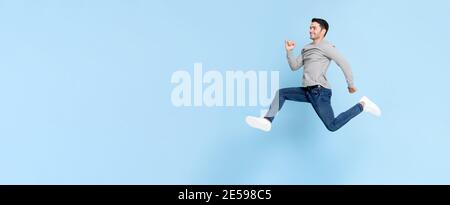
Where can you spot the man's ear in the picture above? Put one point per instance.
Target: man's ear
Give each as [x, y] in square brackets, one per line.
[323, 31]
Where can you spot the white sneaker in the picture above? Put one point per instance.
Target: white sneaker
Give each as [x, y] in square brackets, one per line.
[259, 123]
[370, 107]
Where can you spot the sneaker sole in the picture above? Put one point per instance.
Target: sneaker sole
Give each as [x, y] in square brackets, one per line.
[255, 124]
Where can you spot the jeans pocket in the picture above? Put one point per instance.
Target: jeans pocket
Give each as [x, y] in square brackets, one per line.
[315, 92]
[326, 92]
[325, 95]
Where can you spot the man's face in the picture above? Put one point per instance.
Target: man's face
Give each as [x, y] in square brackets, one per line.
[315, 31]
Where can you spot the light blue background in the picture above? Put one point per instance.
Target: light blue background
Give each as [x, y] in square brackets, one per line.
[85, 93]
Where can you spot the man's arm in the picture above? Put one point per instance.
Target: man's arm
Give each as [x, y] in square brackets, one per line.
[294, 63]
[334, 54]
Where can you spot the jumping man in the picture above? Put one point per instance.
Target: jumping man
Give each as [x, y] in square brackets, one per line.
[315, 58]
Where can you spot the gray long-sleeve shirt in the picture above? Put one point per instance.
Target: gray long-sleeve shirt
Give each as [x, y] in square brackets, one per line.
[315, 59]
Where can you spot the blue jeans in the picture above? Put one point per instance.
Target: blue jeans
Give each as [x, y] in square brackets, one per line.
[320, 99]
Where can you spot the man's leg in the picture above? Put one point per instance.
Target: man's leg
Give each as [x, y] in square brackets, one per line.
[297, 94]
[265, 124]
[321, 100]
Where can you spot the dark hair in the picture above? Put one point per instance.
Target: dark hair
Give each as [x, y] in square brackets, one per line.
[323, 24]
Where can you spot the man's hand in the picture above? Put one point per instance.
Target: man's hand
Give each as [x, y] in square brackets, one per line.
[351, 90]
[290, 45]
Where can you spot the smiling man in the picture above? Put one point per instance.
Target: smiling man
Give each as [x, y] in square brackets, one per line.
[315, 58]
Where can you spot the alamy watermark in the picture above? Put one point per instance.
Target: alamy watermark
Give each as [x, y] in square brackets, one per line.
[229, 88]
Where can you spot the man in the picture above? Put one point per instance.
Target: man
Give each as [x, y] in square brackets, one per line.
[315, 58]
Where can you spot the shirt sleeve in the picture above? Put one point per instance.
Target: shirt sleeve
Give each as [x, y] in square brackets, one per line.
[294, 63]
[336, 56]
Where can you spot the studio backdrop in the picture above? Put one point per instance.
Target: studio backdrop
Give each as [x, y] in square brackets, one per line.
[156, 92]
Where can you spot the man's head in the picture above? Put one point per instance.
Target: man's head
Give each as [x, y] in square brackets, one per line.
[318, 28]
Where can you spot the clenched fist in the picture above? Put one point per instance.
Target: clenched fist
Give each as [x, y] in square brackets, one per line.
[352, 90]
[290, 45]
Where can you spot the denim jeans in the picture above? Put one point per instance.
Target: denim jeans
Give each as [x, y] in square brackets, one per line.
[320, 99]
